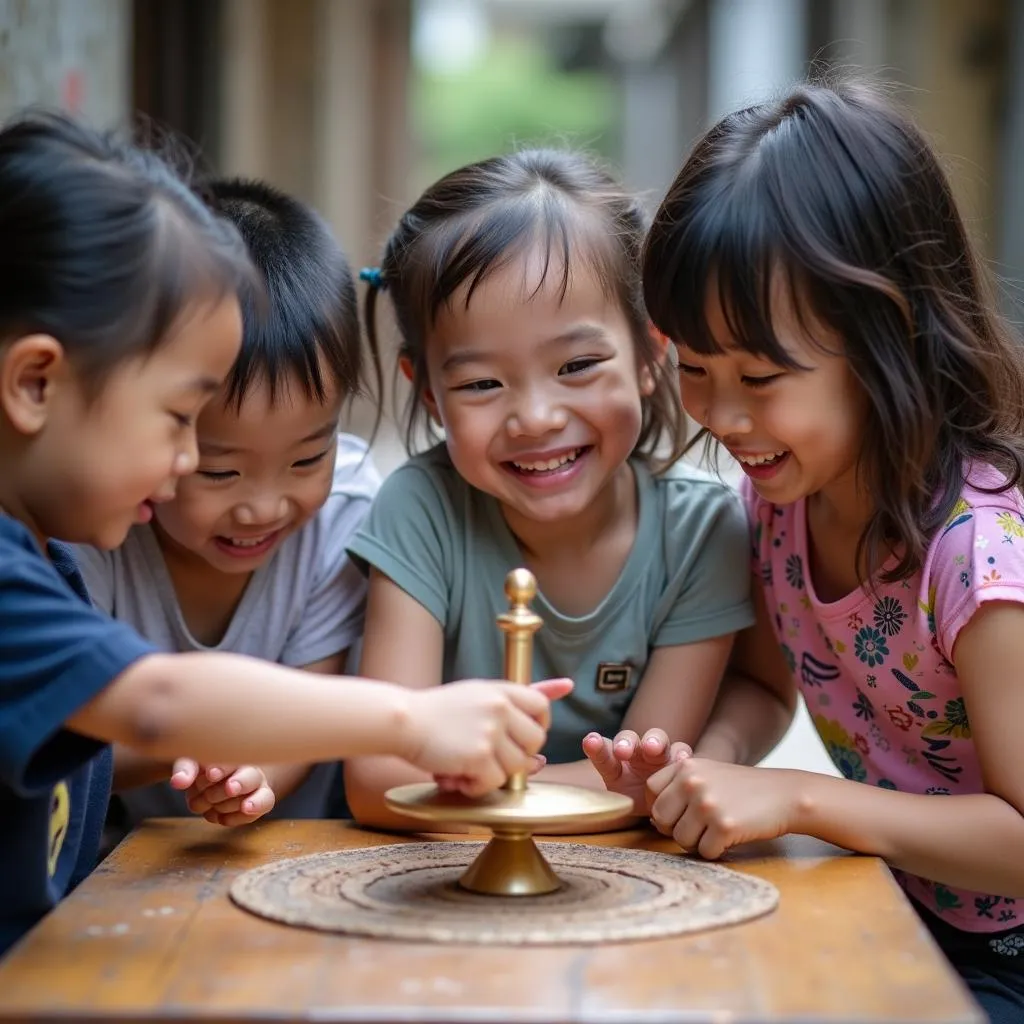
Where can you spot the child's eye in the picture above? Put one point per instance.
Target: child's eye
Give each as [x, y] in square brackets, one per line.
[691, 371]
[581, 365]
[760, 382]
[183, 421]
[311, 461]
[476, 386]
[216, 474]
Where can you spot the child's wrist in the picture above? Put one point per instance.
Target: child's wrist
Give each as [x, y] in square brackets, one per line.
[404, 731]
[717, 745]
[803, 801]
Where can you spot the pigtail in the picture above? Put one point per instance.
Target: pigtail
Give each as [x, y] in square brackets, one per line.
[375, 284]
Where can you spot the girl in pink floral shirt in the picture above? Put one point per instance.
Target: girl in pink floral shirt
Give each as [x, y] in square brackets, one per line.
[835, 334]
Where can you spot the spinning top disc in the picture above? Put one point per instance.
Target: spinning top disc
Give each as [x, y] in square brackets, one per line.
[540, 804]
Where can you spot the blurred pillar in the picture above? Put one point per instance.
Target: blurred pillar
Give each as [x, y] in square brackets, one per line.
[72, 54]
[1010, 218]
[314, 100]
[951, 55]
[755, 49]
[663, 69]
[857, 34]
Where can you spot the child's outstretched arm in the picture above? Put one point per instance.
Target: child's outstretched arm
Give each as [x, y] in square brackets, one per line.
[234, 709]
[403, 643]
[224, 795]
[758, 696]
[973, 841]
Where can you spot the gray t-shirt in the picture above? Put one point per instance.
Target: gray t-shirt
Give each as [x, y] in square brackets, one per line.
[305, 604]
[686, 579]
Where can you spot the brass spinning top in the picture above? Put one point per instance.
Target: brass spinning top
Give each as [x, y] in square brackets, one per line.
[510, 864]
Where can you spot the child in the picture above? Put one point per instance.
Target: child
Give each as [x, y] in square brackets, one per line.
[516, 286]
[250, 555]
[118, 320]
[836, 334]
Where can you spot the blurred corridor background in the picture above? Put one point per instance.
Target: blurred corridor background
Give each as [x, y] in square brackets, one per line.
[355, 105]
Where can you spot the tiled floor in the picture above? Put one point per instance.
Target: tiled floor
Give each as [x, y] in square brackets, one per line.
[800, 748]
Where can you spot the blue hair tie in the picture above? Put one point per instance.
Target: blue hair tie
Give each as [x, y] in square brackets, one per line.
[373, 277]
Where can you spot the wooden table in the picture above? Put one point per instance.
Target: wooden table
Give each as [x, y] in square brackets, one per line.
[152, 936]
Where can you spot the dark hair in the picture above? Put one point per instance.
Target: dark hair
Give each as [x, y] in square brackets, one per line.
[104, 246]
[311, 314]
[837, 196]
[474, 221]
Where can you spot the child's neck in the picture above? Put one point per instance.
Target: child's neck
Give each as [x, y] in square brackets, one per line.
[207, 597]
[577, 561]
[836, 519]
[11, 509]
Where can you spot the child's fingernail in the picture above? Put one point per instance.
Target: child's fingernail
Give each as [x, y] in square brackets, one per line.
[623, 744]
[249, 807]
[231, 788]
[214, 774]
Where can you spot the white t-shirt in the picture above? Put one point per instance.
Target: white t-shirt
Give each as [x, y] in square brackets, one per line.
[305, 604]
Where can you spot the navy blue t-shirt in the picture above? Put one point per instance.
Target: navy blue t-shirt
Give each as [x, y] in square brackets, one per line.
[57, 652]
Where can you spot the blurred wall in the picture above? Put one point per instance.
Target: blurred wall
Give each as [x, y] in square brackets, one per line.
[72, 54]
[313, 98]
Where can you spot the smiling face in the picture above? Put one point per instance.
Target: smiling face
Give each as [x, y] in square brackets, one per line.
[264, 471]
[794, 432]
[539, 393]
[98, 464]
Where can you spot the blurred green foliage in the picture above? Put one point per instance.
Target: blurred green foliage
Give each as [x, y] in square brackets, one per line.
[515, 96]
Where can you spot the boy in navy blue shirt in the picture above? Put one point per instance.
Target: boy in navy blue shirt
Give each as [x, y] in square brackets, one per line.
[119, 318]
[55, 653]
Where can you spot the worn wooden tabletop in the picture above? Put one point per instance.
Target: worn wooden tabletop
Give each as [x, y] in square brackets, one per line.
[152, 936]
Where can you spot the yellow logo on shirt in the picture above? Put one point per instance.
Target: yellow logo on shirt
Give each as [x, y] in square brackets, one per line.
[60, 813]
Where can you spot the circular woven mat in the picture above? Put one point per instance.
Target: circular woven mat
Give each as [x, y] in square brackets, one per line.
[410, 892]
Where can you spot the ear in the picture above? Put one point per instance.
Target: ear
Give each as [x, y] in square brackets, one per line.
[661, 355]
[29, 370]
[427, 396]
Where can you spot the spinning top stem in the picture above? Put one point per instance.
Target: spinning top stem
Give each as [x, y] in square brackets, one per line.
[519, 624]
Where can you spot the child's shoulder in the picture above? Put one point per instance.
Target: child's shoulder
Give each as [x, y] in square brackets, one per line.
[428, 477]
[683, 485]
[355, 473]
[694, 507]
[986, 511]
[19, 553]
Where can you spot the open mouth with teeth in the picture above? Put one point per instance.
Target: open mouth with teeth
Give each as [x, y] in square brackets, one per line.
[248, 547]
[768, 459]
[553, 466]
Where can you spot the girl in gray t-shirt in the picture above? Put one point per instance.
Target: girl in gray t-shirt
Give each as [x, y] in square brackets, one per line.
[516, 287]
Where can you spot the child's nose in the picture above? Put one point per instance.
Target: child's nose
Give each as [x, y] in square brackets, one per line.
[536, 414]
[726, 417]
[262, 509]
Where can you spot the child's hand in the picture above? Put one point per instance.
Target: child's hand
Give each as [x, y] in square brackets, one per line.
[475, 734]
[223, 796]
[627, 762]
[709, 806]
[456, 783]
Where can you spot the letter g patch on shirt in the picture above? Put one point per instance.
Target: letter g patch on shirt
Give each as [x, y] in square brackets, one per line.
[614, 677]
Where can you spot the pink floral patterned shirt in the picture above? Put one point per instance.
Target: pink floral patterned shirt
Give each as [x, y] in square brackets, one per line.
[875, 668]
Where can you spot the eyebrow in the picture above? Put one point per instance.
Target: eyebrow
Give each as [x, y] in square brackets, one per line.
[581, 333]
[321, 434]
